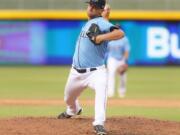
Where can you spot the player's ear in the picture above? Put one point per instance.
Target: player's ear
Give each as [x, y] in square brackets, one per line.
[93, 8]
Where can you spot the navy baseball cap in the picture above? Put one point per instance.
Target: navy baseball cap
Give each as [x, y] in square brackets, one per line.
[98, 3]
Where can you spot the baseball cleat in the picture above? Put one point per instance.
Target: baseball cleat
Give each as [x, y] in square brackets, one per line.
[79, 112]
[100, 130]
[64, 115]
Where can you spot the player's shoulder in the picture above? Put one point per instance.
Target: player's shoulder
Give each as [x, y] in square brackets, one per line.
[104, 25]
[102, 20]
[98, 20]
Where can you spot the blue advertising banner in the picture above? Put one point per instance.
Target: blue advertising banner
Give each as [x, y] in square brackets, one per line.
[153, 42]
[53, 41]
[22, 42]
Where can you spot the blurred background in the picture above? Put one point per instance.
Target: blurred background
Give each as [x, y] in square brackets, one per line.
[37, 42]
[79, 4]
[37, 38]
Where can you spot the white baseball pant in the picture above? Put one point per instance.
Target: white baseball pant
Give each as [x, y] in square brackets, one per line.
[77, 82]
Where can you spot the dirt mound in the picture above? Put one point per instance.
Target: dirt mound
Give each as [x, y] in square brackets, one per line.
[82, 126]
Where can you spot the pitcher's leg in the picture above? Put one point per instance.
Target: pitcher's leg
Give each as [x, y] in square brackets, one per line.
[100, 86]
[100, 106]
[73, 89]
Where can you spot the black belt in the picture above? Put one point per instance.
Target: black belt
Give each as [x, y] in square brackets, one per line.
[84, 70]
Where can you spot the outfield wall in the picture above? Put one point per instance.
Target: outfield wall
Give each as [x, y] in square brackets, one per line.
[49, 37]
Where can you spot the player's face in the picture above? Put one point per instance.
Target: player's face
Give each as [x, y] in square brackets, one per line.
[90, 12]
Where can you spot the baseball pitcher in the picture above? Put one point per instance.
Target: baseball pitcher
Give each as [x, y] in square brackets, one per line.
[88, 69]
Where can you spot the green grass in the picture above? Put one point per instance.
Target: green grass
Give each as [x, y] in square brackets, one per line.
[160, 83]
[32, 82]
[49, 82]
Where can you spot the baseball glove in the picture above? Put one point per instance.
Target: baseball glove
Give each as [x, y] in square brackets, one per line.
[93, 32]
[123, 68]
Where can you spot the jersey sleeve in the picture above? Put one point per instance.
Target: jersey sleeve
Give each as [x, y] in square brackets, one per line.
[106, 26]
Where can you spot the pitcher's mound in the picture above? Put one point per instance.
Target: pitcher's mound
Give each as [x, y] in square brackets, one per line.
[82, 126]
